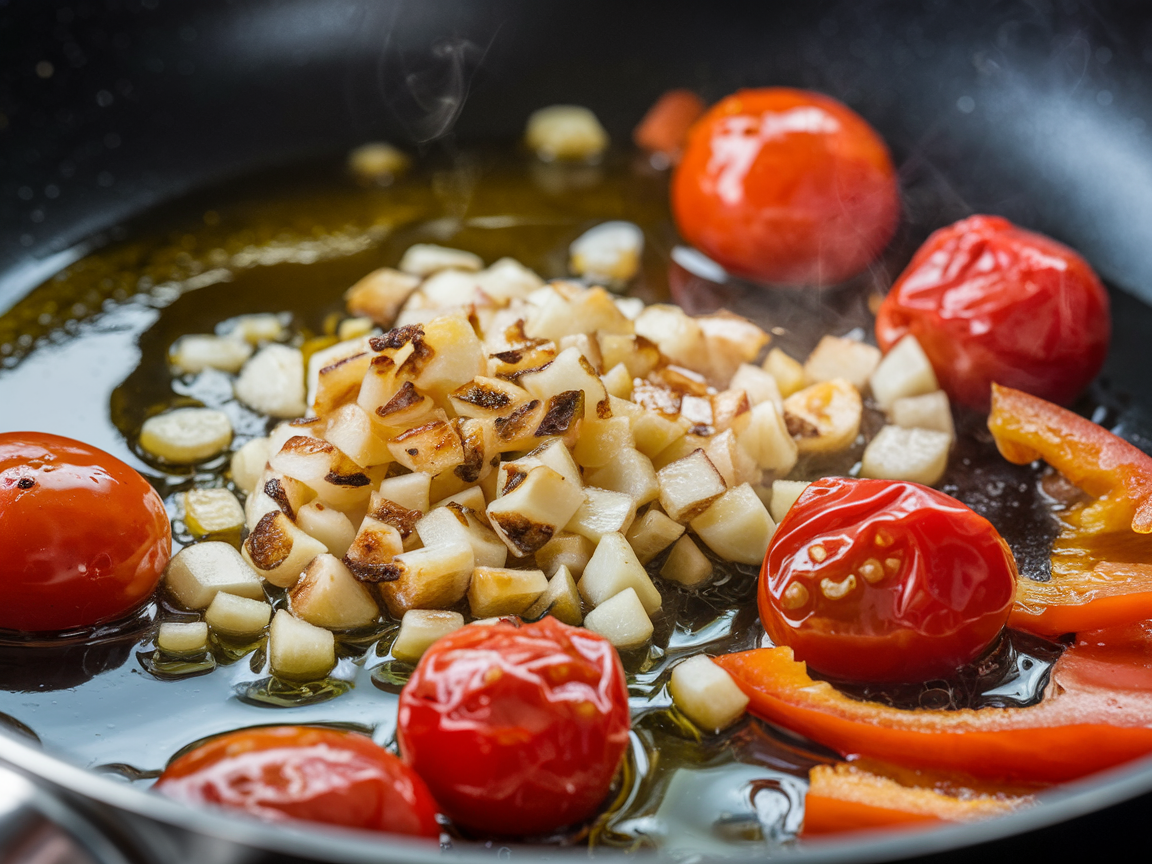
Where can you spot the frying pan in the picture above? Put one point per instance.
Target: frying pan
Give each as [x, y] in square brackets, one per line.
[1039, 111]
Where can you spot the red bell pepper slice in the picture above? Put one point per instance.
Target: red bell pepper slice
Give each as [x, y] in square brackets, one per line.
[845, 797]
[1066, 736]
[1102, 561]
[1117, 658]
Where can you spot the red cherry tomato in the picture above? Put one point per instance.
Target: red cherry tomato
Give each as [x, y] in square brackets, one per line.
[880, 580]
[788, 186]
[85, 539]
[990, 302]
[516, 729]
[298, 772]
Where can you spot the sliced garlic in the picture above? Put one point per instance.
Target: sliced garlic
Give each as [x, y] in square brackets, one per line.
[298, 650]
[237, 617]
[420, 628]
[186, 435]
[424, 259]
[706, 693]
[622, 620]
[568, 132]
[825, 417]
[607, 254]
[904, 371]
[272, 382]
[896, 453]
[212, 511]
[195, 353]
[182, 637]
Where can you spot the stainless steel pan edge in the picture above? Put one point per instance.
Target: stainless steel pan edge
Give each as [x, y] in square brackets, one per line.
[136, 826]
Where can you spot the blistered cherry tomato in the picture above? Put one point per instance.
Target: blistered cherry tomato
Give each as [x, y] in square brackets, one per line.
[788, 186]
[85, 539]
[990, 302]
[885, 581]
[517, 730]
[281, 773]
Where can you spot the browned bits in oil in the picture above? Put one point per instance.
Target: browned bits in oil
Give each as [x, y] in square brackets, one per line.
[332, 368]
[511, 357]
[515, 478]
[307, 422]
[269, 545]
[382, 364]
[416, 432]
[306, 445]
[274, 489]
[405, 397]
[680, 382]
[418, 360]
[563, 410]
[795, 596]
[472, 443]
[396, 515]
[817, 553]
[655, 398]
[872, 571]
[370, 571]
[516, 423]
[355, 480]
[798, 427]
[527, 536]
[515, 335]
[459, 511]
[836, 590]
[397, 337]
[488, 398]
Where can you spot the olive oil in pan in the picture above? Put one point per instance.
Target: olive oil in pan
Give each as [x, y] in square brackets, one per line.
[289, 242]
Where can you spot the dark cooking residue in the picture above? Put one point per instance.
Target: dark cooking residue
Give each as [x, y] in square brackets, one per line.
[290, 243]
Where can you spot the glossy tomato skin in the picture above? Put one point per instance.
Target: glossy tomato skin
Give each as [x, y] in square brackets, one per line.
[85, 538]
[885, 581]
[786, 186]
[517, 730]
[282, 773]
[993, 303]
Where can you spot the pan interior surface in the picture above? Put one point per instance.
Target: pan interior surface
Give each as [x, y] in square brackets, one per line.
[990, 112]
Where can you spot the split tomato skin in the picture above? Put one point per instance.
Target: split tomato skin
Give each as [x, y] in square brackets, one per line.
[992, 303]
[517, 730]
[304, 773]
[885, 581]
[85, 537]
[786, 186]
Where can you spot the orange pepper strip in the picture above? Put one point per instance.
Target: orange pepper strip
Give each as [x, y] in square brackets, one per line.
[1102, 561]
[843, 797]
[666, 124]
[1064, 737]
[1105, 466]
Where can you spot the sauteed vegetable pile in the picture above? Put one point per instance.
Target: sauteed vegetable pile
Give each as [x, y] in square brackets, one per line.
[572, 557]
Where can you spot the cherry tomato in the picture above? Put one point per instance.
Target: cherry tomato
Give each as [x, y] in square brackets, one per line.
[783, 185]
[885, 581]
[516, 729]
[990, 302]
[281, 773]
[85, 539]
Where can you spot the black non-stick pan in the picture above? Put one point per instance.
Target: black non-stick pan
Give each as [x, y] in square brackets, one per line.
[1040, 111]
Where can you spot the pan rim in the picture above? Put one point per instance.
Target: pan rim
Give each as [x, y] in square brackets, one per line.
[350, 846]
